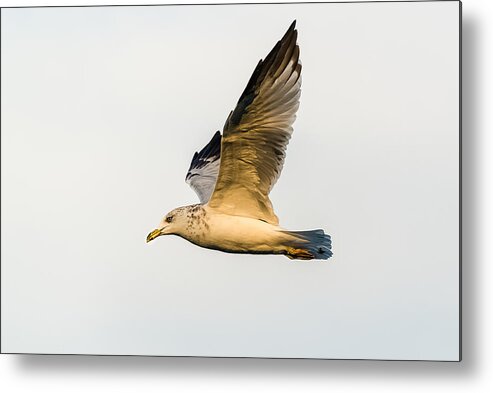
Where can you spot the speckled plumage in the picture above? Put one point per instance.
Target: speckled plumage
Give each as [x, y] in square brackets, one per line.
[197, 222]
[235, 172]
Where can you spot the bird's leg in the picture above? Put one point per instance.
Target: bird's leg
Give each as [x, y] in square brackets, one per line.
[298, 253]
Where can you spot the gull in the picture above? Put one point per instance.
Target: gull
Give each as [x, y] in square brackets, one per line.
[234, 173]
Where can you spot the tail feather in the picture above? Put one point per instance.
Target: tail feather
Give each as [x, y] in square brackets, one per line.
[314, 244]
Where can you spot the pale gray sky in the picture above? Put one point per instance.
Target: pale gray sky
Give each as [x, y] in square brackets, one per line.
[102, 109]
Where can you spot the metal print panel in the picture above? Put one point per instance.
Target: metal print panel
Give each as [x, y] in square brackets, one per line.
[326, 133]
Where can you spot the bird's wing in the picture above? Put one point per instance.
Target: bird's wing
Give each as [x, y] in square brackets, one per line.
[257, 132]
[204, 168]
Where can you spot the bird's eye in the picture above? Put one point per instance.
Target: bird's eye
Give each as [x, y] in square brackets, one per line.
[169, 219]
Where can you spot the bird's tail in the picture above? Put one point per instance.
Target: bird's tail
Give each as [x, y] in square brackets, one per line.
[314, 244]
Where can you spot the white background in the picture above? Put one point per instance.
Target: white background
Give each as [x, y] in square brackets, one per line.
[115, 94]
[123, 374]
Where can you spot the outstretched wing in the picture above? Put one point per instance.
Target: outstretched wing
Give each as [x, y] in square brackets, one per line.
[257, 132]
[203, 171]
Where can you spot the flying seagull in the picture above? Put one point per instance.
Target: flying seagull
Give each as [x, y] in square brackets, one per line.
[234, 173]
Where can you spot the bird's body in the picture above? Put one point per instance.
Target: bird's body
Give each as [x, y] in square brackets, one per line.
[235, 172]
[207, 227]
[210, 228]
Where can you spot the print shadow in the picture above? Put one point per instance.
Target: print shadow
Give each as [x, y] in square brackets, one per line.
[322, 369]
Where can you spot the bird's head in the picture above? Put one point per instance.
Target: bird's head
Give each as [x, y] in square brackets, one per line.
[173, 223]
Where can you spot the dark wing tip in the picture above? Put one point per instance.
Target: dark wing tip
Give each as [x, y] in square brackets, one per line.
[292, 26]
[289, 32]
[216, 137]
[277, 58]
[213, 147]
[281, 52]
[211, 152]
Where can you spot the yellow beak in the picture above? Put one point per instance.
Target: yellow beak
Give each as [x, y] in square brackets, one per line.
[151, 236]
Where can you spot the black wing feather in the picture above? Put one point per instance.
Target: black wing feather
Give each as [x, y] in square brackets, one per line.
[204, 168]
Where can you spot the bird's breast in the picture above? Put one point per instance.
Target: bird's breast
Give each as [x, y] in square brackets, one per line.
[231, 233]
[197, 223]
